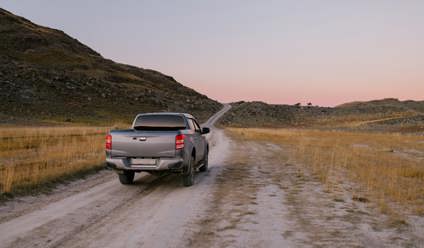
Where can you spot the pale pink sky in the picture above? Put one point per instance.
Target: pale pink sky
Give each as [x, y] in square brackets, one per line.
[324, 52]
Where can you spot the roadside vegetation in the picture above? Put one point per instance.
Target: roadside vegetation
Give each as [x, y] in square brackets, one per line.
[33, 157]
[386, 169]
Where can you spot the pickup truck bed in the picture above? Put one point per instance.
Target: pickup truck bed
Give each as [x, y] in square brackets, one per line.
[133, 143]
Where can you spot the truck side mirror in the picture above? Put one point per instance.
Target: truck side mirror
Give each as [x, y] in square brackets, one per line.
[205, 130]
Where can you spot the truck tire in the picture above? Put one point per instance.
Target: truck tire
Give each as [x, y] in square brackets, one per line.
[205, 162]
[127, 177]
[188, 176]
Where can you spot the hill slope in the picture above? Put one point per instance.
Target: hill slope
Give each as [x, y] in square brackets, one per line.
[380, 115]
[260, 114]
[47, 75]
[384, 105]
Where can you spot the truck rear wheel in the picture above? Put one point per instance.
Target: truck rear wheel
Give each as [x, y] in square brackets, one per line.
[188, 176]
[127, 177]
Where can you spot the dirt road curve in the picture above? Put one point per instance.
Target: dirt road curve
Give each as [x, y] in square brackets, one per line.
[250, 197]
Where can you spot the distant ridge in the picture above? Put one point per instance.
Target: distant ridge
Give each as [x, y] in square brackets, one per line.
[380, 115]
[387, 103]
[46, 75]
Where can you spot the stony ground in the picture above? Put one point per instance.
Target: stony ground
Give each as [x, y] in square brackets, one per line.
[262, 200]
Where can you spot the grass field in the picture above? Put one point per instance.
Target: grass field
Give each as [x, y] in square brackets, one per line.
[388, 168]
[33, 156]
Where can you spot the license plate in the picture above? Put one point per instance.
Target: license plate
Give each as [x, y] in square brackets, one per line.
[146, 161]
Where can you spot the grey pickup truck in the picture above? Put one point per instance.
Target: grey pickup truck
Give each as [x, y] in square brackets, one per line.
[158, 142]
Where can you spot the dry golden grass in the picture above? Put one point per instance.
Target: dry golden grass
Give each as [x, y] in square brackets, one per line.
[357, 120]
[30, 156]
[388, 167]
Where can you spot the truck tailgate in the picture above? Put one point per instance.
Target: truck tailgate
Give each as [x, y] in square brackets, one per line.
[143, 144]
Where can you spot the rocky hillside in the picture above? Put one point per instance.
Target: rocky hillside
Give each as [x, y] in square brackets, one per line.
[46, 75]
[260, 114]
[380, 115]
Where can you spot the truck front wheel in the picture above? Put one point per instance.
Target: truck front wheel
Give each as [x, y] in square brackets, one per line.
[127, 177]
[188, 175]
[205, 162]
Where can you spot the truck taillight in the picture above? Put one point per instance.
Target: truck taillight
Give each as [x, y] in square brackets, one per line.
[109, 142]
[179, 141]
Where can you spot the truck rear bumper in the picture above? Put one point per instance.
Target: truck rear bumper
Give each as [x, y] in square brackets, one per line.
[161, 164]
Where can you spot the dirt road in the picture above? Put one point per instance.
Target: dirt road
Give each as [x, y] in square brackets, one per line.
[100, 212]
[249, 198]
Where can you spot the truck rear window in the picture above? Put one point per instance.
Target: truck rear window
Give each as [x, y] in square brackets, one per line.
[159, 122]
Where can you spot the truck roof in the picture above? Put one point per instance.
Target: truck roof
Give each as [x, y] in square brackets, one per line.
[167, 113]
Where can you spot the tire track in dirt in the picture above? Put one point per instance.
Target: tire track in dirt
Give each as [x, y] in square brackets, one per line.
[261, 199]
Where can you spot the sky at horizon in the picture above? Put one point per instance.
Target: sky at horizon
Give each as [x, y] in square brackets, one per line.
[324, 52]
